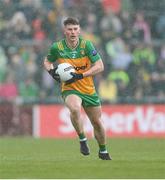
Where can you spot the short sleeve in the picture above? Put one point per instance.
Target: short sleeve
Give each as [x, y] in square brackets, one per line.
[53, 52]
[92, 52]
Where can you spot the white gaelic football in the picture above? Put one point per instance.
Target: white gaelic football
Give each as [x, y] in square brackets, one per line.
[64, 70]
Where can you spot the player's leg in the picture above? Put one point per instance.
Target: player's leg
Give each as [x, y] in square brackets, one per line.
[94, 114]
[73, 102]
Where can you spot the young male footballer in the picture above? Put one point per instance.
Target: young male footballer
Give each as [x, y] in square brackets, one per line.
[79, 91]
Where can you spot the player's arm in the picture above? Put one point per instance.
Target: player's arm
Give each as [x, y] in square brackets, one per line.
[51, 69]
[96, 68]
[95, 58]
[48, 63]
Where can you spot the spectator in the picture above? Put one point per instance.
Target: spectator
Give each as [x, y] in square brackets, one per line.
[19, 25]
[8, 89]
[121, 79]
[28, 89]
[115, 5]
[107, 90]
[144, 55]
[110, 25]
[122, 58]
[3, 64]
[141, 29]
[126, 20]
[160, 26]
[158, 79]
[38, 32]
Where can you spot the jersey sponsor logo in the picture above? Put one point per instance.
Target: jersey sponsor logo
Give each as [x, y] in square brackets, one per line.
[94, 52]
[77, 68]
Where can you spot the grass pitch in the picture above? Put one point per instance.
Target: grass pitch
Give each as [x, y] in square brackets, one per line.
[28, 158]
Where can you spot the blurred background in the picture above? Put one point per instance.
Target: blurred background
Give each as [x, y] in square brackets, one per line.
[129, 35]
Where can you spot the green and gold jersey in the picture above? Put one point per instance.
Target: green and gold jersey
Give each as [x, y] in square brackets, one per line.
[81, 58]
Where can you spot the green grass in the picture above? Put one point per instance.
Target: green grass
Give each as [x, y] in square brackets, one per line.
[60, 159]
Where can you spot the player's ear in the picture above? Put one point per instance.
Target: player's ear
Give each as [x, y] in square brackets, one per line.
[79, 31]
[63, 29]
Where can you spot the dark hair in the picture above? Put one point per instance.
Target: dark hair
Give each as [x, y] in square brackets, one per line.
[71, 20]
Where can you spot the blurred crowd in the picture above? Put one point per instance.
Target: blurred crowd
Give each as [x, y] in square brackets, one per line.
[129, 37]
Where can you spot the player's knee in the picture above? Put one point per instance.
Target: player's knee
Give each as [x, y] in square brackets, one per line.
[75, 110]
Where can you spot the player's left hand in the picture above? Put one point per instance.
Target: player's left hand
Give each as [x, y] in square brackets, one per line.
[74, 78]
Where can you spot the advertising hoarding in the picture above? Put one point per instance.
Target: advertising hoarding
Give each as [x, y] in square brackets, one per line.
[119, 121]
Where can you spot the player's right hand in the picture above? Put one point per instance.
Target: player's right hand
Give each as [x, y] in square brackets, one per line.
[74, 78]
[53, 73]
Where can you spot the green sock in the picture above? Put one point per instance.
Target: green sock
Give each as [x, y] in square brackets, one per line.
[102, 148]
[82, 137]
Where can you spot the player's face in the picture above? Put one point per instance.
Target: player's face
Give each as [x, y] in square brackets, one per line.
[72, 32]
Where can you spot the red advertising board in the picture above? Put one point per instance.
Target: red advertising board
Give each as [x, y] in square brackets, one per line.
[119, 121]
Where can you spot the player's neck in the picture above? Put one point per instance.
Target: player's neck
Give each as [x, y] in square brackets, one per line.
[72, 44]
